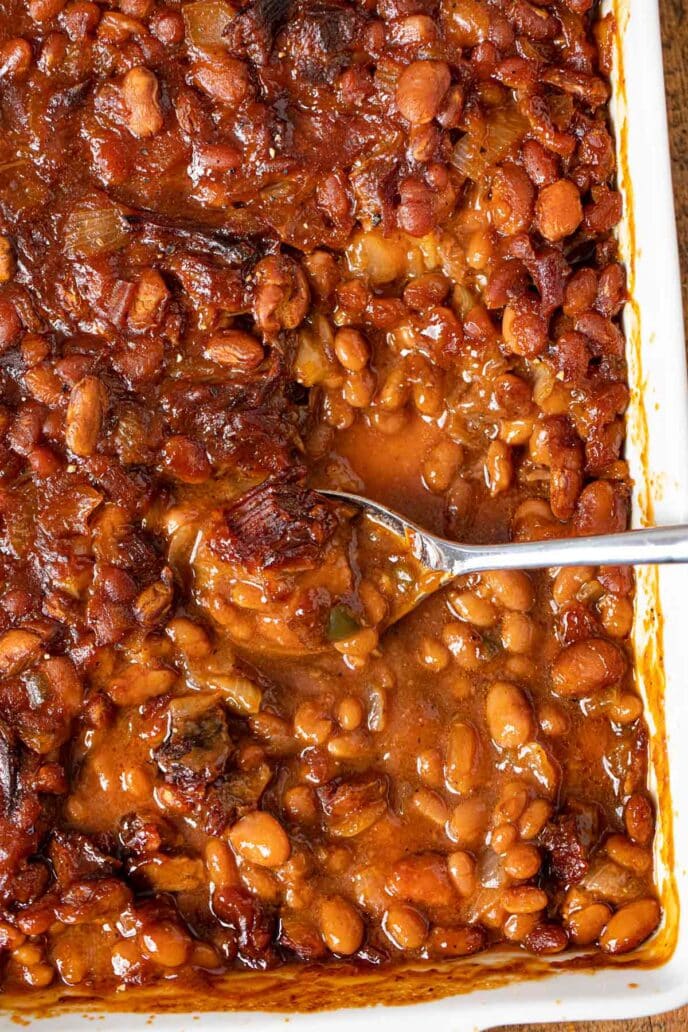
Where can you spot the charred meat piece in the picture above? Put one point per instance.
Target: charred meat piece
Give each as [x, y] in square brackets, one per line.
[197, 745]
[280, 524]
[77, 857]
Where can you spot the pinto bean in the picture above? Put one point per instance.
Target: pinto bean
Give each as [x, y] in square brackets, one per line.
[141, 91]
[558, 210]
[420, 90]
[587, 667]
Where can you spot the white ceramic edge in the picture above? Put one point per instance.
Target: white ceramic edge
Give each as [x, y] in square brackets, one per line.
[604, 994]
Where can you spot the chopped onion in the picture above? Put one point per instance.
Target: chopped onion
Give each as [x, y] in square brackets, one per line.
[90, 231]
[206, 22]
[475, 151]
[505, 128]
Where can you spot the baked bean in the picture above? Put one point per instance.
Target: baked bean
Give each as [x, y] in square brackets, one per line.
[639, 819]
[468, 822]
[166, 944]
[524, 899]
[509, 715]
[462, 757]
[628, 854]
[558, 210]
[630, 926]
[553, 720]
[234, 348]
[616, 614]
[518, 926]
[461, 867]
[434, 655]
[518, 633]
[470, 607]
[430, 805]
[569, 581]
[585, 925]
[430, 767]
[511, 589]
[458, 941]
[586, 667]
[503, 838]
[441, 465]
[261, 839]
[464, 644]
[546, 939]
[405, 927]
[141, 95]
[341, 926]
[420, 90]
[522, 861]
[351, 348]
[512, 199]
[534, 818]
[499, 468]
[626, 709]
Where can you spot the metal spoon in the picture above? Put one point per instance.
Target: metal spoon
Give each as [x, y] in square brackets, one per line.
[450, 559]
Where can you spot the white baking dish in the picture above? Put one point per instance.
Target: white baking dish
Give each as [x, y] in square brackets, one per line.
[658, 452]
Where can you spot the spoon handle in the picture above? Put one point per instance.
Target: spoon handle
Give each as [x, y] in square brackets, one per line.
[650, 545]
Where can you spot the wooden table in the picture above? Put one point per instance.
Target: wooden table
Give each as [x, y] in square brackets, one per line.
[675, 31]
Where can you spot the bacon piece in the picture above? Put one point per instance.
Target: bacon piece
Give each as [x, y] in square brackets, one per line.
[280, 524]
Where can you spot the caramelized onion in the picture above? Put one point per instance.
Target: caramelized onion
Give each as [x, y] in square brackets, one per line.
[94, 230]
[206, 21]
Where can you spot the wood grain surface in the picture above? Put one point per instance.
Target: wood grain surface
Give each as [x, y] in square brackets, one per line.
[675, 33]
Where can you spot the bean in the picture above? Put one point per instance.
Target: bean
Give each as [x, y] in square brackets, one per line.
[441, 465]
[468, 823]
[522, 861]
[630, 926]
[341, 926]
[546, 939]
[569, 581]
[586, 924]
[464, 644]
[518, 633]
[499, 468]
[524, 899]
[509, 715]
[616, 614]
[235, 349]
[430, 805]
[351, 348]
[350, 713]
[420, 90]
[87, 403]
[626, 708]
[462, 757]
[503, 838]
[511, 589]
[586, 667]
[433, 654]
[166, 944]
[261, 839]
[18, 650]
[552, 720]
[461, 867]
[140, 90]
[518, 926]
[628, 854]
[534, 818]
[311, 724]
[470, 607]
[639, 819]
[558, 210]
[457, 941]
[405, 927]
